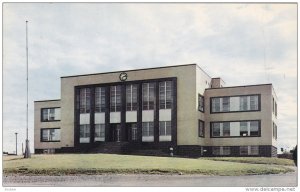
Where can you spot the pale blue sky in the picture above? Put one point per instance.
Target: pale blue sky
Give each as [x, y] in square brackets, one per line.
[242, 43]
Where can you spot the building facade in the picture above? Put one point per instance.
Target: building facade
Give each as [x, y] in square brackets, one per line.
[178, 107]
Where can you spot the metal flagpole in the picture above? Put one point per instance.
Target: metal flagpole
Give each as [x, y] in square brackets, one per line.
[27, 148]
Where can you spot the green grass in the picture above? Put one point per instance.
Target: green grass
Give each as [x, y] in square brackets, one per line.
[61, 164]
[255, 160]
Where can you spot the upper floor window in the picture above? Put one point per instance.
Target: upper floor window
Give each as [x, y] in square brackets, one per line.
[115, 98]
[99, 99]
[49, 135]
[85, 100]
[235, 103]
[50, 114]
[148, 96]
[131, 97]
[201, 128]
[236, 129]
[200, 103]
[165, 95]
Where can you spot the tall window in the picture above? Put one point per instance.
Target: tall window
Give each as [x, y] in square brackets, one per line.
[215, 104]
[49, 135]
[235, 129]
[134, 132]
[115, 98]
[99, 99]
[165, 95]
[148, 96]
[50, 114]
[147, 129]
[99, 132]
[235, 103]
[201, 128]
[200, 103]
[274, 131]
[275, 109]
[226, 104]
[85, 100]
[165, 128]
[84, 133]
[131, 97]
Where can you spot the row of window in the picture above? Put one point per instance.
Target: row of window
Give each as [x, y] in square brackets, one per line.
[231, 129]
[148, 97]
[244, 150]
[147, 131]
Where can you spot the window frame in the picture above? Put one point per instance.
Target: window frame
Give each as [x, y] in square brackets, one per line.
[199, 127]
[48, 108]
[201, 103]
[44, 129]
[212, 123]
[236, 111]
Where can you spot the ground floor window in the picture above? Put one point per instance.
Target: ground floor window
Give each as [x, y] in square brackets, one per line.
[48, 135]
[222, 150]
[99, 132]
[201, 128]
[84, 133]
[133, 132]
[249, 150]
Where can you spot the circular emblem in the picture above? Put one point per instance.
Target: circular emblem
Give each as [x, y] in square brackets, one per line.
[123, 76]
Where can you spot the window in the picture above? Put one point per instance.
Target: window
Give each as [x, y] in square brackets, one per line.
[85, 103]
[200, 103]
[201, 128]
[164, 128]
[99, 99]
[274, 131]
[147, 128]
[148, 96]
[236, 129]
[115, 98]
[235, 103]
[133, 132]
[254, 150]
[84, 133]
[275, 109]
[226, 104]
[216, 129]
[215, 104]
[50, 135]
[131, 97]
[273, 106]
[221, 150]
[243, 103]
[226, 129]
[243, 129]
[50, 114]
[254, 128]
[165, 95]
[99, 132]
[243, 150]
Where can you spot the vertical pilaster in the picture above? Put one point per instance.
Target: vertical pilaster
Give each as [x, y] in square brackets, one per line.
[107, 114]
[174, 112]
[156, 113]
[139, 112]
[123, 113]
[92, 114]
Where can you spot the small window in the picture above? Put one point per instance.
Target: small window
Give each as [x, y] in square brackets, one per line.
[50, 135]
[243, 150]
[99, 132]
[243, 129]
[216, 129]
[50, 114]
[84, 133]
[254, 150]
[226, 129]
[201, 128]
[200, 103]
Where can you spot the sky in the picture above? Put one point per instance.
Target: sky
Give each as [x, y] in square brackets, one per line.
[242, 43]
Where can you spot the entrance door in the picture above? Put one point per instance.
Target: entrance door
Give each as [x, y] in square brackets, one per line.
[116, 132]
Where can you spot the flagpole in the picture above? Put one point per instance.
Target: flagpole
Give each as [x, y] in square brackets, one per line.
[27, 148]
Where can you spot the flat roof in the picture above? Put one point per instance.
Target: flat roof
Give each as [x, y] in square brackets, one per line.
[141, 69]
[48, 100]
[239, 86]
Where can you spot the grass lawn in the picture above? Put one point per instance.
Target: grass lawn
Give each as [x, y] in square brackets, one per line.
[61, 164]
[255, 160]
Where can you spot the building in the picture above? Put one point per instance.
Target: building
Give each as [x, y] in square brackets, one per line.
[179, 107]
